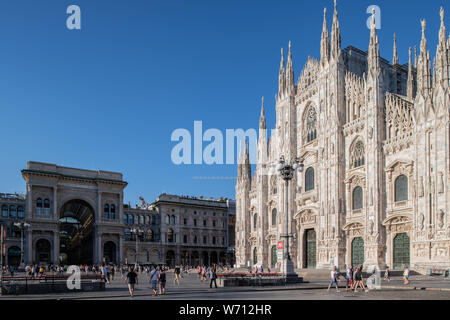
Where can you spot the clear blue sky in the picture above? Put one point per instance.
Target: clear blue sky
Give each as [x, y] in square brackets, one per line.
[109, 96]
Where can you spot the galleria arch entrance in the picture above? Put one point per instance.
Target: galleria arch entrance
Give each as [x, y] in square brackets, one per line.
[76, 233]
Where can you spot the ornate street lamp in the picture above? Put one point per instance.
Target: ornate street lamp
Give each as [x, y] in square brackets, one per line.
[286, 172]
[136, 232]
[21, 226]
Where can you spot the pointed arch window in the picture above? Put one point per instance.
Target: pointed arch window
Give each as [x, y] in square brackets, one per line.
[401, 188]
[5, 212]
[106, 211]
[255, 221]
[309, 179]
[357, 156]
[47, 207]
[310, 125]
[357, 198]
[13, 211]
[112, 214]
[255, 255]
[39, 206]
[274, 217]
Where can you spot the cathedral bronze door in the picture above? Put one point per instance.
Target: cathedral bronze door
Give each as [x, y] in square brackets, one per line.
[274, 256]
[401, 251]
[357, 252]
[310, 249]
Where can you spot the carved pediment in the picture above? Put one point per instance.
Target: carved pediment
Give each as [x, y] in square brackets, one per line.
[356, 179]
[306, 216]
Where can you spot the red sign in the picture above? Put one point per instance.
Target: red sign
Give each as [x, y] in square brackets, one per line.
[280, 245]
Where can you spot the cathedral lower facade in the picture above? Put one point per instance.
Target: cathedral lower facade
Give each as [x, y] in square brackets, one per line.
[374, 139]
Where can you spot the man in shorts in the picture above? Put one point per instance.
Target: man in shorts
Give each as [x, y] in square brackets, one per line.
[162, 282]
[132, 279]
[154, 276]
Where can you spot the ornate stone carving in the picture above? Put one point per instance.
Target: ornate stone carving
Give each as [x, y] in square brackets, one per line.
[441, 219]
[421, 221]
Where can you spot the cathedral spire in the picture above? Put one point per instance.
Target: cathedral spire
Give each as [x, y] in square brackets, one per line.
[290, 73]
[324, 41]
[410, 88]
[423, 65]
[395, 59]
[335, 35]
[281, 77]
[442, 63]
[415, 57]
[374, 47]
[262, 118]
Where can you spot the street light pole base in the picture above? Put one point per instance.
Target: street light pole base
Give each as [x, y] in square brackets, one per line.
[288, 269]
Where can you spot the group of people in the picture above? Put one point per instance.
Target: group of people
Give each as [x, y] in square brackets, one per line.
[354, 278]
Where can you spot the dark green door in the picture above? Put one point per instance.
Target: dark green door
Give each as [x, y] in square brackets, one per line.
[401, 251]
[274, 256]
[357, 252]
[310, 249]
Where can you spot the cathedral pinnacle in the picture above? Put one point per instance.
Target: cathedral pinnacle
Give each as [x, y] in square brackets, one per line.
[325, 40]
[335, 35]
[395, 59]
[262, 119]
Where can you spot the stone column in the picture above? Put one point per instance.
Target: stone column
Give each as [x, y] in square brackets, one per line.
[28, 258]
[56, 247]
[120, 249]
[55, 205]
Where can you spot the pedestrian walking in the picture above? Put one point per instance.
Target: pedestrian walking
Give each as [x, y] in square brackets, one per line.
[203, 273]
[154, 276]
[359, 281]
[387, 275]
[406, 275]
[132, 279]
[162, 282]
[333, 279]
[213, 277]
[349, 278]
[176, 273]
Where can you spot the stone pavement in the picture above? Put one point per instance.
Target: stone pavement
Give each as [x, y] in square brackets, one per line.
[191, 286]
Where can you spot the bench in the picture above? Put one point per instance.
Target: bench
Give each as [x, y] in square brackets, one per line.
[437, 272]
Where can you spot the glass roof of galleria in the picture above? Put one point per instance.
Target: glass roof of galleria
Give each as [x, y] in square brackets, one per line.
[12, 196]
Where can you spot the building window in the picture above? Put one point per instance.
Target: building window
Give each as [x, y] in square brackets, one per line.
[214, 240]
[125, 219]
[255, 256]
[147, 219]
[20, 212]
[151, 236]
[214, 223]
[106, 211]
[185, 221]
[170, 236]
[112, 214]
[141, 219]
[195, 239]
[311, 125]
[39, 206]
[5, 212]
[131, 219]
[357, 157]
[12, 211]
[167, 219]
[195, 222]
[255, 221]
[204, 223]
[185, 239]
[274, 217]
[47, 207]
[401, 188]
[153, 219]
[128, 235]
[309, 179]
[205, 240]
[172, 220]
[357, 198]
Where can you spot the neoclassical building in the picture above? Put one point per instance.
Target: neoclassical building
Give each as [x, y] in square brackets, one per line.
[77, 216]
[374, 138]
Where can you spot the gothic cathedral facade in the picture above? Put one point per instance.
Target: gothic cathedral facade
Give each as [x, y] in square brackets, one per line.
[374, 138]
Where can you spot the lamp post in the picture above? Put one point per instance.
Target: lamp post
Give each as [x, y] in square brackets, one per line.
[136, 232]
[21, 226]
[286, 172]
